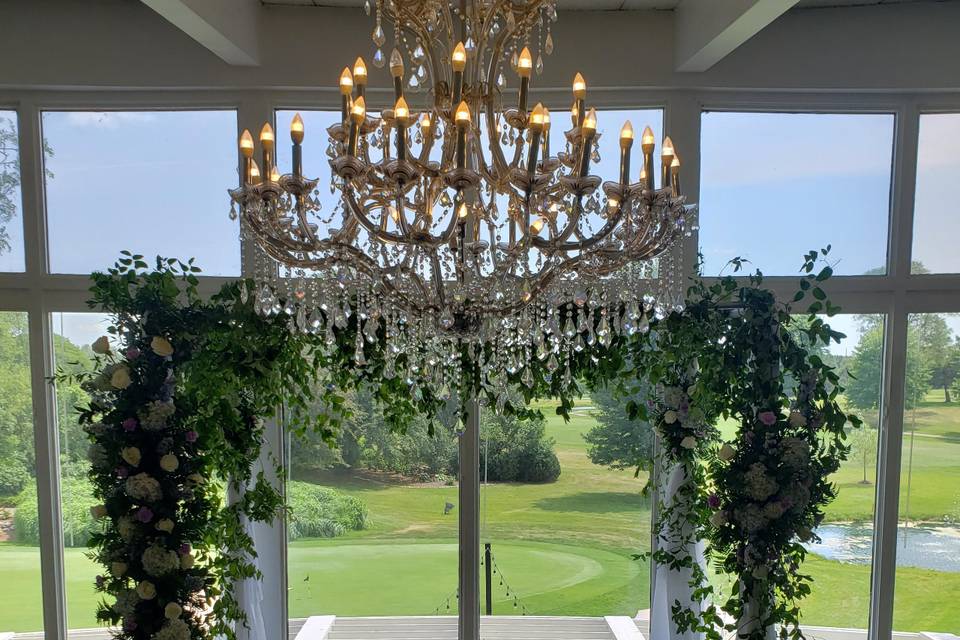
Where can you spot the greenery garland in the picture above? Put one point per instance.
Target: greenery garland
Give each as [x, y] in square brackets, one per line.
[188, 383]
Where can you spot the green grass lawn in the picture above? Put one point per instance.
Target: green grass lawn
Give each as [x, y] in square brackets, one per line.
[564, 548]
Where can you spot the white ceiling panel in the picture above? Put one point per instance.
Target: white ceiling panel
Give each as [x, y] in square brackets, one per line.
[613, 5]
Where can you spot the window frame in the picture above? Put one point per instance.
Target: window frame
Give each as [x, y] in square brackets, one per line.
[897, 294]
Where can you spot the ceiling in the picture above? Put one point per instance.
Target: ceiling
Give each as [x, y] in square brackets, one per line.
[612, 5]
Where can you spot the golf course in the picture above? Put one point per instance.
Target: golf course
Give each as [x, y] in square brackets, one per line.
[559, 548]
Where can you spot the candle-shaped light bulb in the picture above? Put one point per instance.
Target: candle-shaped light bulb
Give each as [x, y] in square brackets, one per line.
[536, 130]
[296, 134]
[396, 70]
[394, 213]
[647, 145]
[358, 113]
[536, 118]
[587, 131]
[575, 112]
[401, 115]
[626, 143]
[675, 175]
[396, 64]
[579, 87]
[266, 143]
[346, 82]
[274, 174]
[458, 59]
[254, 172]
[425, 124]
[579, 95]
[246, 144]
[359, 110]
[462, 118]
[536, 226]
[360, 75]
[524, 69]
[346, 88]
[462, 212]
[266, 135]
[666, 159]
[296, 129]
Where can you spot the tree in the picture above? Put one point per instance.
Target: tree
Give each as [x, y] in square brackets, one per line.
[940, 355]
[10, 178]
[616, 441]
[863, 448]
[866, 366]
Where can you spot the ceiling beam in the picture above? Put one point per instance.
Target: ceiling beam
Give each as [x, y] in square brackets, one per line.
[706, 31]
[228, 28]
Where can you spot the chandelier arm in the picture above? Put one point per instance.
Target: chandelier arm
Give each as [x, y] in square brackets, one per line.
[360, 216]
[304, 225]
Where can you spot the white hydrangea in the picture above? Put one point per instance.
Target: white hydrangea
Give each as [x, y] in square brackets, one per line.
[158, 561]
[126, 528]
[672, 396]
[795, 452]
[155, 417]
[750, 517]
[143, 487]
[126, 602]
[758, 483]
[173, 630]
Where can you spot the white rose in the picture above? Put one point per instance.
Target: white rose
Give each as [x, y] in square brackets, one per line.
[130, 455]
[120, 378]
[172, 611]
[689, 442]
[165, 525]
[797, 419]
[726, 452]
[146, 590]
[718, 519]
[117, 569]
[186, 561]
[98, 511]
[161, 346]
[125, 528]
[169, 463]
[669, 417]
[101, 345]
[195, 478]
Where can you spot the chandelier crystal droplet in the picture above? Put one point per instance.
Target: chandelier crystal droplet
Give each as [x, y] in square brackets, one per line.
[459, 237]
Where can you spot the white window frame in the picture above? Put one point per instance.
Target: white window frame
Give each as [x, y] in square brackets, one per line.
[897, 294]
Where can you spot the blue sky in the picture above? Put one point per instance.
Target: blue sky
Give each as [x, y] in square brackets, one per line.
[772, 187]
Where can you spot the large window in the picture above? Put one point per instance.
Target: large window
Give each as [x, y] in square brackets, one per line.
[776, 185]
[19, 515]
[153, 182]
[936, 222]
[73, 333]
[11, 220]
[928, 535]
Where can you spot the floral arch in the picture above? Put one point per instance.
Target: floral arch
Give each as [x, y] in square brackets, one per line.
[182, 387]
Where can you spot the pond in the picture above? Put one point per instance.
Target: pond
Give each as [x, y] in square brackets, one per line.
[923, 546]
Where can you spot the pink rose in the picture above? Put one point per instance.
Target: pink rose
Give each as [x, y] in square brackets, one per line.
[129, 424]
[132, 353]
[122, 472]
[144, 514]
[191, 436]
[769, 418]
[185, 548]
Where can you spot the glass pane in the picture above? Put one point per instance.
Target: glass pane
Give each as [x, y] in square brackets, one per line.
[840, 563]
[935, 219]
[19, 529]
[73, 333]
[11, 221]
[562, 511]
[153, 182]
[928, 538]
[375, 510]
[774, 186]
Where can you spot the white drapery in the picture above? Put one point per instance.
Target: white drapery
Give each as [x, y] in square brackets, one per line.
[249, 592]
[671, 585]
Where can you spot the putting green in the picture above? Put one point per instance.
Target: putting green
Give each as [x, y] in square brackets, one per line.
[387, 577]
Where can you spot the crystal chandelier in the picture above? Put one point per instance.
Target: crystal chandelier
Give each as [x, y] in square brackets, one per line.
[457, 226]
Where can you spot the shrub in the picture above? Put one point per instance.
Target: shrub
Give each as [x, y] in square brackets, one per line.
[13, 478]
[78, 524]
[517, 450]
[323, 512]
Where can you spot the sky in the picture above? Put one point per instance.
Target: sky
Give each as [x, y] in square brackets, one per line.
[773, 186]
